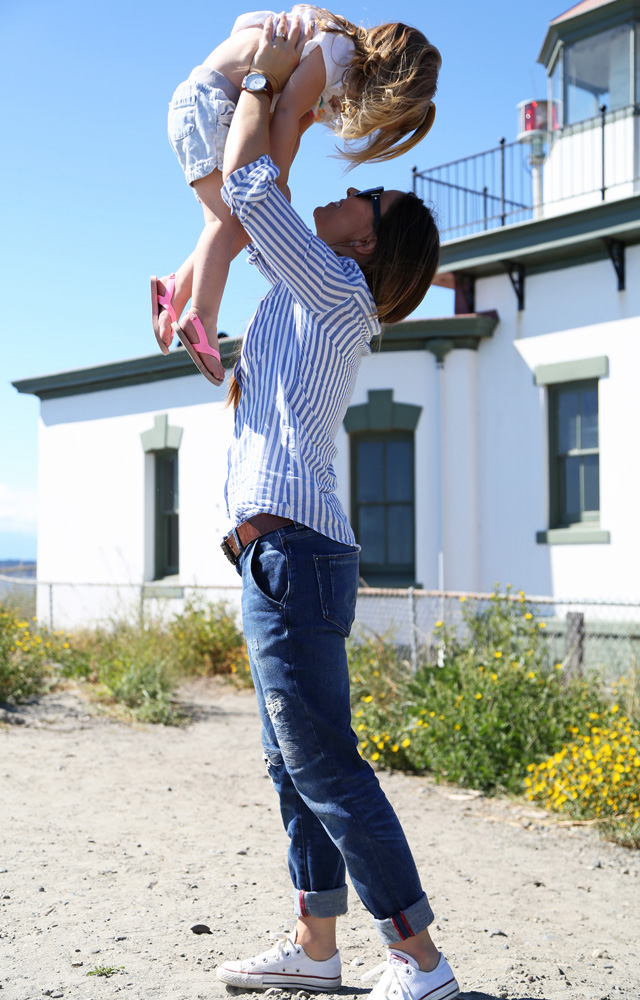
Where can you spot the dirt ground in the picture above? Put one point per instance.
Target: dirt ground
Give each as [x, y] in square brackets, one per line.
[115, 840]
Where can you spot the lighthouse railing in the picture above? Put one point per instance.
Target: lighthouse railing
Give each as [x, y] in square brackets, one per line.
[570, 168]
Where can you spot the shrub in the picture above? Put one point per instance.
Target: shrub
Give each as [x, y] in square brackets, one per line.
[594, 776]
[493, 706]
[23, 658]
[207, 640]
[134, 666]
[30, 655]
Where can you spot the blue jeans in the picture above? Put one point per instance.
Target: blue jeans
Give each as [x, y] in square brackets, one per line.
[298, 605]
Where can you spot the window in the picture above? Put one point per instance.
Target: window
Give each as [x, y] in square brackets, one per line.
[382, 492]
[555, 114]
[161, 532]
[575, 459]
[166, 514]
[572, 389]
[597, 71]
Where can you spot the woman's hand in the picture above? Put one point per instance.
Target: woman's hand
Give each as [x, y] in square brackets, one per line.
[279, 51]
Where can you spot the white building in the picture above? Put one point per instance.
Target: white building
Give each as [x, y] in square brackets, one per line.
[492, 445]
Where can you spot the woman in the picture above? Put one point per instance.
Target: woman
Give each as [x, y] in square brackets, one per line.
[373, 259]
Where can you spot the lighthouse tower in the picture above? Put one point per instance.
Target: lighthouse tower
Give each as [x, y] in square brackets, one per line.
[592, 57]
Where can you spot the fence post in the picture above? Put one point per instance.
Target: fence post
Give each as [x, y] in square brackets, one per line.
[603, 112]
[414, 179]
[574, 643]
[414, 630]
[503, 214]
[485, 192]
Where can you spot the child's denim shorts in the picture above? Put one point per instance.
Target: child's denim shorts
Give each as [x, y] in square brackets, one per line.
[200, 114]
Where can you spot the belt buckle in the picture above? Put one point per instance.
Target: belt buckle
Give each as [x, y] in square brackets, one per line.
[228, 551]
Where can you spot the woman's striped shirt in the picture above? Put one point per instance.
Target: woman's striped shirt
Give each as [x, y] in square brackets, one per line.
[300, 359]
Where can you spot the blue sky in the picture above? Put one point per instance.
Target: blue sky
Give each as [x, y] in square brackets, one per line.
[93, 200]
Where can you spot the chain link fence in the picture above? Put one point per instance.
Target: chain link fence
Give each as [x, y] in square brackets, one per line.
[586, 635]
[602, 636]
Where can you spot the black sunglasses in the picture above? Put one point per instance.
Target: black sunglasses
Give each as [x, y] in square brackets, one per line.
[373, 194]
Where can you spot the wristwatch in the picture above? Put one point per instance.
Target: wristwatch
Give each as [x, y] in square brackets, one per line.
[257, 83]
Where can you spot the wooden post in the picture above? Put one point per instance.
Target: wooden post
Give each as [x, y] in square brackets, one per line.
[574, 647]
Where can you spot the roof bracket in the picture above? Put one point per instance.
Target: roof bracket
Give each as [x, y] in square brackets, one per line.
[516, 274]
[616, 252]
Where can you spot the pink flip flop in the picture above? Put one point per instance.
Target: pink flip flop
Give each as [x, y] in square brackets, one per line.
[164, 302]
[202, 346]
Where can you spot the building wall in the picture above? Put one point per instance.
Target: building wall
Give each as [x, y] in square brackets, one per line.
[96, 486]
[481, 449]
[95, 498]
[569, 314]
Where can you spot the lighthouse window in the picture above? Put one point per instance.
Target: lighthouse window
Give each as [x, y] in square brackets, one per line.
[383, 506]
[574, 452]
[555, 115]
[166, 522]
[597, 71]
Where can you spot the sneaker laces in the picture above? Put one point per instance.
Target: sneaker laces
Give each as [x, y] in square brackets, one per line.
[280, 949]
[390, 977]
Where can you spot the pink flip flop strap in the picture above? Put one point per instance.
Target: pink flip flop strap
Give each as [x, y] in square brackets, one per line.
[166, 300]
[202, 346]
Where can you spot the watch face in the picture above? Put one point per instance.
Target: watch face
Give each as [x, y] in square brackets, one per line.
[256, 81]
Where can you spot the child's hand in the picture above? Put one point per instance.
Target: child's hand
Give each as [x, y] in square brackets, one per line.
[279, 51]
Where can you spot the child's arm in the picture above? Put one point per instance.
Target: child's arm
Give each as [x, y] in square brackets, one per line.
[290, 118]
[303, 125]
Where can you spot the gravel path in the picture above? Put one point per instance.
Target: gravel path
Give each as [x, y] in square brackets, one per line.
[115, 840]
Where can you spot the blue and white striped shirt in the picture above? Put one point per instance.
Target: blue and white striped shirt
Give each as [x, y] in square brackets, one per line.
[300, 359]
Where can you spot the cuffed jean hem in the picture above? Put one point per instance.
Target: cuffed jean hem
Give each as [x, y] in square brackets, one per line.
[406, 923]
[330, 903]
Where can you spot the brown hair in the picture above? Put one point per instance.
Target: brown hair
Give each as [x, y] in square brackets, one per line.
[400, 269]
[389, 89]
[404, 262]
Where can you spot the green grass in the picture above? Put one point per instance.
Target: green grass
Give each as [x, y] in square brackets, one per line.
[131, 667]
[106, 970]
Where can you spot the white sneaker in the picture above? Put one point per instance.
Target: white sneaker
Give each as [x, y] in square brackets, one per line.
[402, 979]
[286, 965]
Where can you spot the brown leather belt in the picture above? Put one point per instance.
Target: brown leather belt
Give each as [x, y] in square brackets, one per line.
[247, 532]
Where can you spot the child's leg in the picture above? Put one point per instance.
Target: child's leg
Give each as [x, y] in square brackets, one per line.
[211, 260]
[184, 285]
[181, 295]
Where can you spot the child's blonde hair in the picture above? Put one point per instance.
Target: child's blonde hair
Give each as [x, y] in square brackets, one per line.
[389, 88]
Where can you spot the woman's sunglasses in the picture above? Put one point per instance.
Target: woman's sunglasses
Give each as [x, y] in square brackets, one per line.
[373, 194]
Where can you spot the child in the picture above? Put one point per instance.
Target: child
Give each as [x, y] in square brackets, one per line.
[373, 86]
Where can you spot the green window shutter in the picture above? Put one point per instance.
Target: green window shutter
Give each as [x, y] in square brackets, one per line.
[167, 555]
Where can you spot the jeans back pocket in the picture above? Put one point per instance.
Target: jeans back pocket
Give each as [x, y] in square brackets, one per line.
[182, 113]
[338, 576]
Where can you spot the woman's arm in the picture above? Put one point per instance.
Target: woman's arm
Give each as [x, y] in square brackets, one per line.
[277, 58]
[319, 280]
